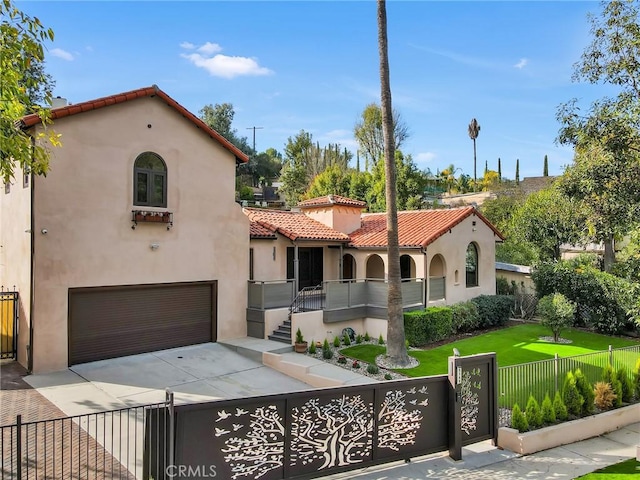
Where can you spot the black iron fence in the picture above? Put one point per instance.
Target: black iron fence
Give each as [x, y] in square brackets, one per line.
[8, 324]
[118, 444]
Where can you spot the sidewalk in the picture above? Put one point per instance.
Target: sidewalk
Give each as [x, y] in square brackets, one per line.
[485, 462]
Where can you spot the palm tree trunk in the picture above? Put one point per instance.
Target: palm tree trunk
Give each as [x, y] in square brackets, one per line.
[396, 348]
[475, 178]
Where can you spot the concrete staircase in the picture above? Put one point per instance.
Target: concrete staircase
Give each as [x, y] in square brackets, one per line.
[282, 333]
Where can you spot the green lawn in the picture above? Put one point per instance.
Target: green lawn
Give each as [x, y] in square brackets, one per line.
[623, 470]
[513, 345]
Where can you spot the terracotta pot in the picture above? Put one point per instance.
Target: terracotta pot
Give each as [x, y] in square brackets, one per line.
[300, 347]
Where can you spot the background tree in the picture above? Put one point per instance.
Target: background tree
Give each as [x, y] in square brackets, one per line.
[474, 131]
[499, 170]
[517, 171]
[410, 185]
[23, 86]
[545, 168]
[220, 118]
[396, 347]
[607, 184]
[335, 180]
[369, 135]
[548, 219]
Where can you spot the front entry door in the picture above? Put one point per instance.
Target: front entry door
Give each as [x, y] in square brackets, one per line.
[310, 266]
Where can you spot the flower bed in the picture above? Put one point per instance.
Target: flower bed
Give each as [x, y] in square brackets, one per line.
[567, 432]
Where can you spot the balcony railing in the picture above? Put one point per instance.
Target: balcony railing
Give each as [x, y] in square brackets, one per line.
[271, 294]
[437, 288]
[370, 292]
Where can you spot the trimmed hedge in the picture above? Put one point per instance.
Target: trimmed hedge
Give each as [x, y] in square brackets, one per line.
[494, 310]
[465, 317]
[425, 326]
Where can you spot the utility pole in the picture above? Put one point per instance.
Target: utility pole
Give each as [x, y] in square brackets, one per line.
[254, 136]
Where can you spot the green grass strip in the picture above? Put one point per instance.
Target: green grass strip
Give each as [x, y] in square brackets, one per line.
[620, 471]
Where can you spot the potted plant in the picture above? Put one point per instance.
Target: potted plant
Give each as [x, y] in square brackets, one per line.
[300, 345]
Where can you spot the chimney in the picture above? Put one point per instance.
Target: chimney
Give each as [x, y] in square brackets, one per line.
[59, 102]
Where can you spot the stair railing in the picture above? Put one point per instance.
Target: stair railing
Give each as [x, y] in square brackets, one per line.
[308, 299]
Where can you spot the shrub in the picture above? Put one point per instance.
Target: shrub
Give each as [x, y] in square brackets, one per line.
[626, 384]
[532, 413]
[604, 396]
[367, 338]
[430, 325]
[380, 340]
[605, 302]
[559, 408]
[610, 376]
[557, 313]
[346, 340]
[571, 396]
[372, 369]
[355, 364]
[342, 359]
[636, 378]
[586, 391]
[359, 339]
[494, 310]
[312, 347]
[464, 317]
[327, 353]
[518, 420]
[336, 341]
[548, 413]
[387, 376]
[503, 287]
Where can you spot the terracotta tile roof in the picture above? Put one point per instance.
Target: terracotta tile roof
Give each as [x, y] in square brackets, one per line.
[257, 230]
[294, 225]
[416, 228]
[328, 200]
[153, 91]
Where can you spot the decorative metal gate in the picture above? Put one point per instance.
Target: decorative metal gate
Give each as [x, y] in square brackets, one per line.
[8, 324]
[325, 431]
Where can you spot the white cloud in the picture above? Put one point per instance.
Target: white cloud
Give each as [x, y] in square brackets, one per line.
[522, 63]
[63, 54]
[210, 48]
[425, 157]
[227, 67]
[187, 45]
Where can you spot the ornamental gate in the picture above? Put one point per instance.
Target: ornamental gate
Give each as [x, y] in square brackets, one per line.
[8, 324]
[325, 431]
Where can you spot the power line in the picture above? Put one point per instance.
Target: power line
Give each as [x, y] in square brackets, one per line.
[254, 136]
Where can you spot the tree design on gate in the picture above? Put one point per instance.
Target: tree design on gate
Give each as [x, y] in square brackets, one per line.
[337, 432]
[259, 446]
[470, 401]
[398, 426]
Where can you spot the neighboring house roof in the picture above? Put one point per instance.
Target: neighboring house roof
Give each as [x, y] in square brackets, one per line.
[257, 230]
[416, 228]
[512, 267]
[329, 200]
[153, 91]
[294, 225]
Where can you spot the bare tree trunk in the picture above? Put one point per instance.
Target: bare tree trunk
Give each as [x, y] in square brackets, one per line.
[396, 348]
[609, 253]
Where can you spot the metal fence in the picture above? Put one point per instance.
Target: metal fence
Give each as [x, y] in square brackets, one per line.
[123, 444]
[517, 382]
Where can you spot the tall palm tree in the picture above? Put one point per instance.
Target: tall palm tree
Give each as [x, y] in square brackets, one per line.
[396, 348]
[474, 131]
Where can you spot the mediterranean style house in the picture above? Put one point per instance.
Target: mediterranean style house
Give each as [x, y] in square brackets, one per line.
[324, 267]
[133, 242]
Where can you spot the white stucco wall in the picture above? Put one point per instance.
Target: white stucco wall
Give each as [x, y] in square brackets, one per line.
[342, 218]
[85, 204]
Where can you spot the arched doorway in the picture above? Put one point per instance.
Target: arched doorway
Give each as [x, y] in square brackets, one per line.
[407, 267]
[375, 267]
[348, 267]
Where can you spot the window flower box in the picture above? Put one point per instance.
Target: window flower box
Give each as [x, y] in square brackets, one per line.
[141, 216]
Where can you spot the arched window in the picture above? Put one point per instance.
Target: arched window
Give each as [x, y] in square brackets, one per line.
[472, 265]
[348, 267]
[375, 267]
[150, 180]
[407, 267]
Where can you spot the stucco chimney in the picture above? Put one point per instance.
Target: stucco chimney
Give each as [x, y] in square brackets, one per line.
[58, 102]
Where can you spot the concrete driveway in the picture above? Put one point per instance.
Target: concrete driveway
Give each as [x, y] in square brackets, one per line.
[197, 373]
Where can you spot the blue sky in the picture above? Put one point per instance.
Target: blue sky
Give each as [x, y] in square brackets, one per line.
[287, 66]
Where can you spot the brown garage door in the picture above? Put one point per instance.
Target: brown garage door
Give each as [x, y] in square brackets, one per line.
[108, 322]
